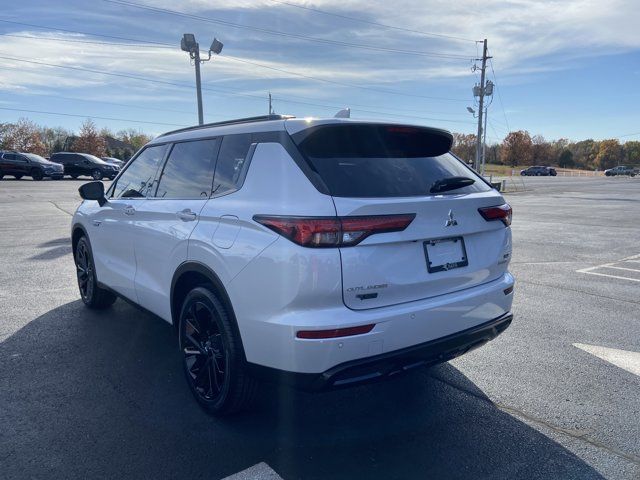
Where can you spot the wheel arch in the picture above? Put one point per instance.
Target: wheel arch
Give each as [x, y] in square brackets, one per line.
[192, 274]
[76, 232]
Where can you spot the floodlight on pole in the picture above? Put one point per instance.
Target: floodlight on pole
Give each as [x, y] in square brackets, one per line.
[190, 45]
[471, 110]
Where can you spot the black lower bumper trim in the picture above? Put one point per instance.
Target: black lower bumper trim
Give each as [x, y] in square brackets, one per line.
[388, 364]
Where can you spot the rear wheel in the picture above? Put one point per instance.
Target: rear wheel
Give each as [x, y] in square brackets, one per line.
[18, 177]
[212, 355]
[92, 295]
[74, 176]
[37, 174]
[96, 174]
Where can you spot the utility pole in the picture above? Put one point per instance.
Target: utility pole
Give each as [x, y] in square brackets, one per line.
[481, 94]
[270, 107]
[484, 142]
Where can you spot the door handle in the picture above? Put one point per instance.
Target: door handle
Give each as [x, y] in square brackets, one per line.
[186, 215]
[96, 223]
[129, 210]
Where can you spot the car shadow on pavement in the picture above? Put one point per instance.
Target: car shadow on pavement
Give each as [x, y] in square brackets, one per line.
[101, 394]
[54, 249]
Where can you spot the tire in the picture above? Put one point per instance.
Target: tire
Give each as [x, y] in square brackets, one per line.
[92, 295]
[18, 177]
[212, 356]
[1, 176]
[96, 174]
[74, 176]
[37, 174]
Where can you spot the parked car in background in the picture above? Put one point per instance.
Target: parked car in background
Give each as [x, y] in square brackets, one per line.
[77, 164]
[320, 252]
[621, 170]
[113, 161]
[18, 165]
[539, 171]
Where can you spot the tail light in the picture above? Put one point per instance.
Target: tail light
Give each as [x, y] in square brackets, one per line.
[323, 232]
[499, 212]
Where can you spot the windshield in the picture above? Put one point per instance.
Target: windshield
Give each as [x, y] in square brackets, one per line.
[93, 158]
[36, 158]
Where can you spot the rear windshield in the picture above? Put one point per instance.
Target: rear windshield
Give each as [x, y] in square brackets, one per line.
[382, 160]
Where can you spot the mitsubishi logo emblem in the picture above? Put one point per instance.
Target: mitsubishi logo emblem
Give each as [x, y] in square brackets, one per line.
[451, 222]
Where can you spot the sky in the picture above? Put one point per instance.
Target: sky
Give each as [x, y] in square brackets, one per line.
[563, 68]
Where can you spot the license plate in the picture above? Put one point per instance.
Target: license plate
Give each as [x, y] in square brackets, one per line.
[445, 254]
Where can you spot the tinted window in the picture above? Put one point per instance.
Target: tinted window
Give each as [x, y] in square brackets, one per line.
[138, 179]
[9, 156]
[188, 172]
[382, 160]
[232, 163]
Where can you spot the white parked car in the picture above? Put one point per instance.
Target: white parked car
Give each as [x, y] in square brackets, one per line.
[322, 253]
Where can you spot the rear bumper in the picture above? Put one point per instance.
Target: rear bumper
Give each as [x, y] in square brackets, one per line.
[388, 364]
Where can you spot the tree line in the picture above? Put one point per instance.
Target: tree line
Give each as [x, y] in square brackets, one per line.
[517, 149]
[27, 136]
[520, 148]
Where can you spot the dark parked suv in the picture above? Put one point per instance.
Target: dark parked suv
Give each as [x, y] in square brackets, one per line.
[76, 164]
[538, 171]
[20, 165]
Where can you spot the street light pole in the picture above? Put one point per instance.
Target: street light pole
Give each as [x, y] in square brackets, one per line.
[189, 44]
[198, 85]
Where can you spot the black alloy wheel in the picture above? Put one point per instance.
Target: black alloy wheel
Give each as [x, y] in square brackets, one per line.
[91, 293]
[205, 355]
[96, 174]
[213, 362]
[37, 174]
[84, 270]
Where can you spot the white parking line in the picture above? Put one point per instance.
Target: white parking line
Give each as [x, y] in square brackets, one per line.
[624, 268]
[629, 361]
[261, 471]
[633, 258]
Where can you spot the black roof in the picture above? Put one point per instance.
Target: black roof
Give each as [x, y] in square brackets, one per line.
[261, 118]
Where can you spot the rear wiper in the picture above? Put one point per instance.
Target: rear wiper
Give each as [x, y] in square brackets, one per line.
[451, 183]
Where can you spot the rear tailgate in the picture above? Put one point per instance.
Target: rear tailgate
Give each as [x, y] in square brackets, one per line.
[385, 169]
[390, 268]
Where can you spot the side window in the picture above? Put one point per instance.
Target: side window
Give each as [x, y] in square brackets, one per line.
[231, 166]
[9, 156]
[137, 180]
[188, 172]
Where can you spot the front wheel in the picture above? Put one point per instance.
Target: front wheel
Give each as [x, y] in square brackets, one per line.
[37, 174]
[212, 355]
[18, 177]
[96, 174]
[92, 295]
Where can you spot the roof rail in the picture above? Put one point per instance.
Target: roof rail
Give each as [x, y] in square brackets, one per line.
[261, 118]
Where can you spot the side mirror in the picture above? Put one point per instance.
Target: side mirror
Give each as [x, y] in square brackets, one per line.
[93, 191]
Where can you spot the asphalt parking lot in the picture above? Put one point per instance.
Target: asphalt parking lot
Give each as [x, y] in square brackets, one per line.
[100, 394]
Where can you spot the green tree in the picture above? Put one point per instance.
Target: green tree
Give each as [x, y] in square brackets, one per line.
[566, 159]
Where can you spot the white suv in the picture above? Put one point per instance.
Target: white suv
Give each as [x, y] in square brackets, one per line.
[319, 252]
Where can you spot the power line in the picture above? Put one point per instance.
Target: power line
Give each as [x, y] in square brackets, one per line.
[368, 22]
[499, 94]
[85, 33]
[232, 58]
[55, 39]
[218, 90]
[286, 34]
[92, 116]
[344, 84]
